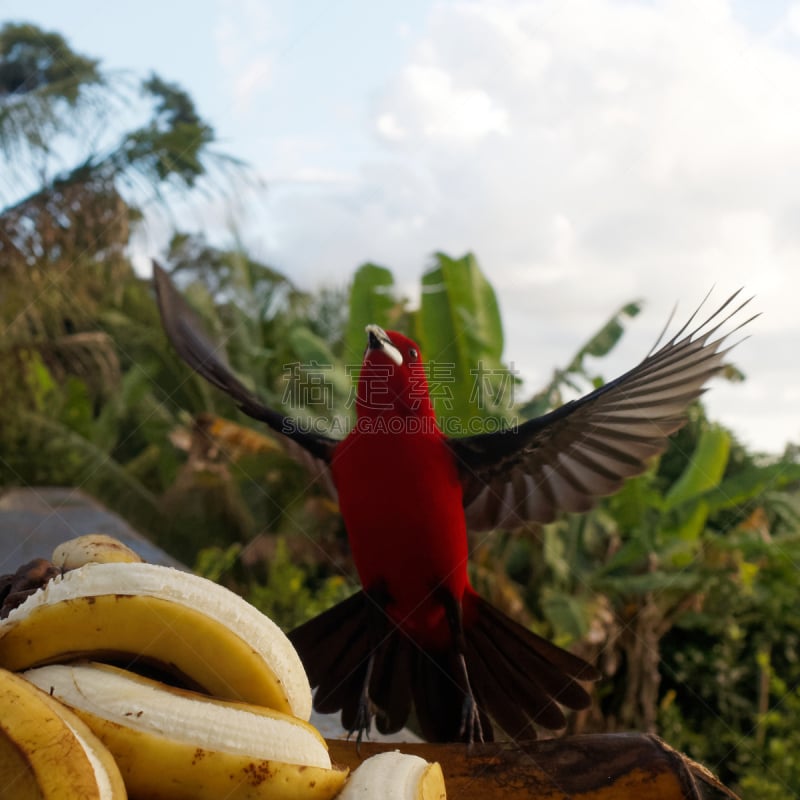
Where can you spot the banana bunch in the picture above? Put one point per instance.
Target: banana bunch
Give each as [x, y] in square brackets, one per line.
[84, 718]
[47, 751]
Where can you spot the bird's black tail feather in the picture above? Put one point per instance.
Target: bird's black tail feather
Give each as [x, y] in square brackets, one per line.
[519, 680]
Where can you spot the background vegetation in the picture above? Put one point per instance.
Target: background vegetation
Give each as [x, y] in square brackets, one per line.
[683, 587]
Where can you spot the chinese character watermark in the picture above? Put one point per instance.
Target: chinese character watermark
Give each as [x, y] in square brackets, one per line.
[493, 388]
[308, 385]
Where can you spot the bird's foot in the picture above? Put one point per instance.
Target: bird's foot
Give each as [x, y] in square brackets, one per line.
[471, 728]
[362, 724]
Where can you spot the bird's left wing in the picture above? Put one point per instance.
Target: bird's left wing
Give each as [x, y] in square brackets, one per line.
[565, 460]
[208, 359]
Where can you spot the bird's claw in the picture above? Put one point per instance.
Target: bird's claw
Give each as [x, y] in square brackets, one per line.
[471, 728]
[363, 721]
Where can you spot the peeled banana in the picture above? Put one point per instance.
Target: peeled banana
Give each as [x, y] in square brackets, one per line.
[175, 744]
[97, 548]
[205, 634]
[395, 776]
[47, 752]
[89, 726]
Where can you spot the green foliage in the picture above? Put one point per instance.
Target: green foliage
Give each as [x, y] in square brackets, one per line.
[82, 344]
[171, 145]
[731, 664]
[41, 79]
[32, 60]
[268, 324]
[687, 580]
[59, 129]
[289, 594]
[773, 771]
[58, 440]
[371, 302]
[705, 469]
[215, 562]
[289, 598]
[459, 329]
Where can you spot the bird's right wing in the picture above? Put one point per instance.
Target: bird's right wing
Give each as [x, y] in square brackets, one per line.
[187, 336]
[565, 460]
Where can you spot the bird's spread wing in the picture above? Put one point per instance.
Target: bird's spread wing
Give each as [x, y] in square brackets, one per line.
[208, 359]
[566, 459]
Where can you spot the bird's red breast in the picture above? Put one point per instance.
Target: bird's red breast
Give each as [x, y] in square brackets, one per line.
[400, 494]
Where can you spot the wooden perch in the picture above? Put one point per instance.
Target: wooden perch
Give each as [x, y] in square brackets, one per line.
[616, 766]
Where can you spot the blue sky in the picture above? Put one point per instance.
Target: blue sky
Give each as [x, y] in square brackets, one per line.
[588, 151]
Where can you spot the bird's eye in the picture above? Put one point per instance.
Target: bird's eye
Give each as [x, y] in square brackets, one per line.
[412, 353]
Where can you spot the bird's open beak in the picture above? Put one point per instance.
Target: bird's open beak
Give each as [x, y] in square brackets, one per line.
[379, 340]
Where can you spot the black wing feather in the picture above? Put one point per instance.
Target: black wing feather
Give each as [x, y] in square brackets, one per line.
[565, 460]
[186, 334]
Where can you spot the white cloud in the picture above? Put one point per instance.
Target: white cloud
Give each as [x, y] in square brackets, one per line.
[388, 127]
[792, 19]
[589, 152]
[253, 77]
[438, 111]
[244, 29]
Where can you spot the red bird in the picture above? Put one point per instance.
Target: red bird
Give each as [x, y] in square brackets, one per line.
[417, 633]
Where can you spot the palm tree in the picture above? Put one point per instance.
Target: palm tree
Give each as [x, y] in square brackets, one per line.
[78, 186]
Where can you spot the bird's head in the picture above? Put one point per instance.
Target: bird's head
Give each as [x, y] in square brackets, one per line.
[392, 380]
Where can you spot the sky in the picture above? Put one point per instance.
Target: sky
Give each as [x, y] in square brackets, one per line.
[589, 152]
